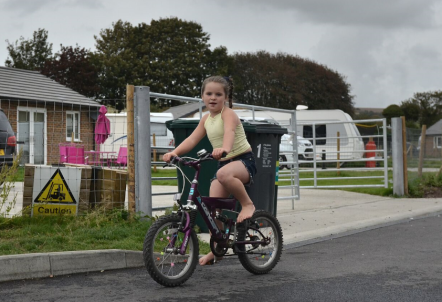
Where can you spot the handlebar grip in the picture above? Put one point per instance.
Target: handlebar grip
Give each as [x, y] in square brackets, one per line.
[224, 154]
[171, 161]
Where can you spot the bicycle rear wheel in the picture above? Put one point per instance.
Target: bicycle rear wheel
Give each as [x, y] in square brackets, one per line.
[161, 252]
[260, 258]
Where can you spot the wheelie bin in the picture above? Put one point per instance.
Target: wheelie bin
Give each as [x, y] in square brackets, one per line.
[265, 139]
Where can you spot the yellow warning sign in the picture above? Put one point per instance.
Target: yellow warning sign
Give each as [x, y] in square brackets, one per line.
[56, 191]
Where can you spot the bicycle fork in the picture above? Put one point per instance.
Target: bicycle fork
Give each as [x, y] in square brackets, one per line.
[186, 229]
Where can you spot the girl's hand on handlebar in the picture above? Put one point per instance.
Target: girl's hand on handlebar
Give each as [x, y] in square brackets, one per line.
[168, 156]
[219, 153]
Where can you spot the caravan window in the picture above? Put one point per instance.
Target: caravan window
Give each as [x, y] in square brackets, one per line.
[320, 131]
[158, 129]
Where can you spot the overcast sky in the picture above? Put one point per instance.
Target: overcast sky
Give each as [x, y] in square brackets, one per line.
[386, 49]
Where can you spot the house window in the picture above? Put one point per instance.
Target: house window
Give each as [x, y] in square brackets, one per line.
[437, 142]
[72, 125]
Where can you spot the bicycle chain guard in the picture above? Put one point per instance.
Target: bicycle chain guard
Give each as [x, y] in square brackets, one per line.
[217, 250]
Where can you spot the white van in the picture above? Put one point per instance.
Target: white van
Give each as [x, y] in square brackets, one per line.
[118, 136]
[327, 124]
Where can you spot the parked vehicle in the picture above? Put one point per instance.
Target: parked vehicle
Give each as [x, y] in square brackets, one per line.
[327, 124]
[305, 150]
[118, 136]
[8, 141]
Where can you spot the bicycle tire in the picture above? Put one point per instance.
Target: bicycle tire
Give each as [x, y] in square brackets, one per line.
[169, 268]
[259, 258]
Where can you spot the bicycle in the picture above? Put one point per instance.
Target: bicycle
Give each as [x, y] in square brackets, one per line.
[171, 248]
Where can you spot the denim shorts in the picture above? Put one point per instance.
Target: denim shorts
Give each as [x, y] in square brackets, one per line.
[248, 159]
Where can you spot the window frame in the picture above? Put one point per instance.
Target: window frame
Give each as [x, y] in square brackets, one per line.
[438, 142]
[320, 133]
[74, 124]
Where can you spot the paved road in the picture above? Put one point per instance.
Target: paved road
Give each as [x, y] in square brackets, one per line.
[401, 262]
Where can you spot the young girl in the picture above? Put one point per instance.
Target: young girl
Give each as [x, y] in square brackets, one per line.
[226, 134]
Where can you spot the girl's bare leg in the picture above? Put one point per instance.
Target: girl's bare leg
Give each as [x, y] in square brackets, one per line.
[216, 190]
[232, 177]
[230, 180]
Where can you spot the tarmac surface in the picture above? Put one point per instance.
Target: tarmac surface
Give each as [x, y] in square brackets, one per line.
[319, 215]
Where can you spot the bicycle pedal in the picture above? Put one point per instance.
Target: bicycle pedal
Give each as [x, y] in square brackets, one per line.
[241, 225]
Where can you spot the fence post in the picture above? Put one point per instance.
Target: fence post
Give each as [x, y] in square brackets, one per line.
[295, 178]
[130, 147]
[323, 160]
[422, 150]
[404, 154]
[143, 177]
[154, 143]
[338, 155]
[397, 156]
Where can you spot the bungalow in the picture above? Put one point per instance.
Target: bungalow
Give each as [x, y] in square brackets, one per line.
[44, 113]
[433, 140]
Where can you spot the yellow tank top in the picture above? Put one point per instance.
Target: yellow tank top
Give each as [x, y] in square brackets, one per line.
[215, 132]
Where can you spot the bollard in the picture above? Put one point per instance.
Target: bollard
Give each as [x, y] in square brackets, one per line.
[323, 160]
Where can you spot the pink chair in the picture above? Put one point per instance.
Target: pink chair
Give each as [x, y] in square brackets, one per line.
[122, 157]
[63, 153]
[76, 154]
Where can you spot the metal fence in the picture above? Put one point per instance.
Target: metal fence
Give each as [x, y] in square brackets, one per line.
[423, 155]
[335, 155]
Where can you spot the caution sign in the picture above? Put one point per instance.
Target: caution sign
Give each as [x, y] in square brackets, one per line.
[55, 197]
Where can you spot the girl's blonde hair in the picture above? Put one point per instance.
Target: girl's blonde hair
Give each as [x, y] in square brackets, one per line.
[227, 83]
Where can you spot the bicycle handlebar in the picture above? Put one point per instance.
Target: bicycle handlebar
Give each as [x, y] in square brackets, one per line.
[204, 157]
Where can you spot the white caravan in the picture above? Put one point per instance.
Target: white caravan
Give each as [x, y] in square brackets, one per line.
[118, 135]
[324, 126]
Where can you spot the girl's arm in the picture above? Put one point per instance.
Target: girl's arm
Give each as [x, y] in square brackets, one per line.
[189, 143]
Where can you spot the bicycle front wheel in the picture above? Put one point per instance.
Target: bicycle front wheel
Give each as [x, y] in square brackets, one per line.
[260, 258]
[161, 254]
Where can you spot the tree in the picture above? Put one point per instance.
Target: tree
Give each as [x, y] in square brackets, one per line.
[74, 68]
[430, 106]
[169, 55]
[392, 111]
[424, 108]
[412, 111]
[285, 81]
[218, 62]
[116, 60]
[30, 54]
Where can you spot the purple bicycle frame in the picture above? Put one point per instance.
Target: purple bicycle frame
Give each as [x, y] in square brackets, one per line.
[205, 206]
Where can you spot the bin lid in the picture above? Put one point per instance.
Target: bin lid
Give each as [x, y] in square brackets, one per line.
[249, 126]
[263, 127]
[182, 123]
